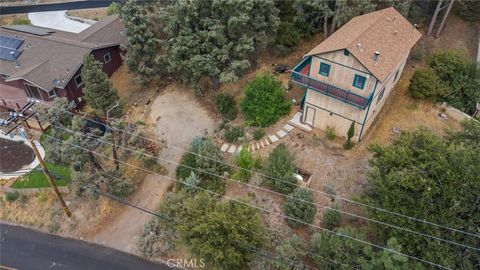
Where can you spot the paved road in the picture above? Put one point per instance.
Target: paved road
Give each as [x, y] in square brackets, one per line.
[23, 248]
[56, 20]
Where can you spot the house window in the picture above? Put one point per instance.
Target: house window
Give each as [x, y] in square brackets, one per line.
[107, 57]
[346, 52]
[324, 69]
[52, 93]
[359, 81]
[396, 75]
[380, 96]
[78, 80]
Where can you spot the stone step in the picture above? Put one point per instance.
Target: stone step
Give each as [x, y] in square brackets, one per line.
[232, 149]
[288, 128]
[261, 144]
[239, 149]
[224, 147]
[281, 133]
[266, 141]
[273, 138]
[258, 146]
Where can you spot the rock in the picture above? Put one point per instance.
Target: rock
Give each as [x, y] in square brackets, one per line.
[396, 130]
[443, 116]
[224, 147]
[286, 86]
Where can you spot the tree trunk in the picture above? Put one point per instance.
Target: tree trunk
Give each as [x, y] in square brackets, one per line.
[333, 27]
[95, 162]
[215, 82]
[444, 18]
[325, 22]
[434, 17]
[114, 151]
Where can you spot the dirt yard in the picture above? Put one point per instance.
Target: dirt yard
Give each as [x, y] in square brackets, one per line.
[177, 117]
[95, 14]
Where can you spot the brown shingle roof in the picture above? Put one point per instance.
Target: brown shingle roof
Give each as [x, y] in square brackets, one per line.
[385, 31]
[56, 56]
[108, 30]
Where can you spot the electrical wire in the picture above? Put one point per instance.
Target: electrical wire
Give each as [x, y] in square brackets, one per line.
[264, 209]
[274, 178]
[271, 191]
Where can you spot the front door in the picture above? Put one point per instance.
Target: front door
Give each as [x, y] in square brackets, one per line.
[309, 115]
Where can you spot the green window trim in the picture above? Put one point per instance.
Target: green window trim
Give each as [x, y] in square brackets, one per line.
[324, 69]
[359, 81]
[396, 76]
[380, 95]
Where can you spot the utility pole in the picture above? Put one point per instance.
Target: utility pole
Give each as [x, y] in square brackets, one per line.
[20, 120]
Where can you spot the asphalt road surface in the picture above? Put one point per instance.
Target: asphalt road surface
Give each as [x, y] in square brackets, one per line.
[22, 248]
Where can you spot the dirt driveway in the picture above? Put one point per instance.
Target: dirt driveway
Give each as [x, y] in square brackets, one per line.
[177, 117]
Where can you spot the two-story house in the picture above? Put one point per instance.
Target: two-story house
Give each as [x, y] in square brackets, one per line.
[349, 75]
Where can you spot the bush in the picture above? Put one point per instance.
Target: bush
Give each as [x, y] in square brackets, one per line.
[264, 102]
[226, 106]
[244, 161]
[449, 64]
[331, 134]
[206, 160]
[279, 167]
[12, 196]
[258, 134]
[300, 207]
[468, 10]
[331, 219]
[113, 9]
[425, 84]
[157, 239]
[287, 38]
[292, 253]
[418, 52]
[24, 21]
[232, 134]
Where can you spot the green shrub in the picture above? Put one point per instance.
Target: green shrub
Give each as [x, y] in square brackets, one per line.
[264, 102]
[245, 162]
[232, 134]
[449, 64]
[113, 9]
[23, 21]
[331, 219]
[12, 196]
[418, 52]
[331, 134]
[300, 207]
[257, 162]
[226, 106]
[258, 133]
[425, 84]
[468, 10]
[279, 167]
[206, 160]
[42, 197]
[292, 253]
[287, 38]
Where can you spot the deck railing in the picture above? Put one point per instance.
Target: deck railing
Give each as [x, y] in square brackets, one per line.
[329, 90]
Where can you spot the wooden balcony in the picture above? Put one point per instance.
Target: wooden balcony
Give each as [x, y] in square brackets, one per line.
[300, 76]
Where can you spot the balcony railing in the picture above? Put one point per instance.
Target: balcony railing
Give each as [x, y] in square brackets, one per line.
[300, 76]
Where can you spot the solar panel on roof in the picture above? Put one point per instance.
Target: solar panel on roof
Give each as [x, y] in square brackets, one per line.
[9, 54]
[10, 42]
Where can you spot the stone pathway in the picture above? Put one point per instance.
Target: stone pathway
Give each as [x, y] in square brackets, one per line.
[256, 145]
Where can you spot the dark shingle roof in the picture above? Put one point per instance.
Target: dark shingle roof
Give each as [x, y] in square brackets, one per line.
[56, 56]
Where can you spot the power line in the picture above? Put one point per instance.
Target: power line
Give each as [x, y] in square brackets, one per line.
[173, 220]
[275, 192]
[265, 210]
[277, 179]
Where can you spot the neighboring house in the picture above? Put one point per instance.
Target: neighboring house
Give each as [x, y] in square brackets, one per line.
[349, 75]
[45, 63]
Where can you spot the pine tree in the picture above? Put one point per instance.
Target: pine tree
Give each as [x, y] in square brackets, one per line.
[142, 43]
[216, 39]
[97, 90]
[300, 207]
